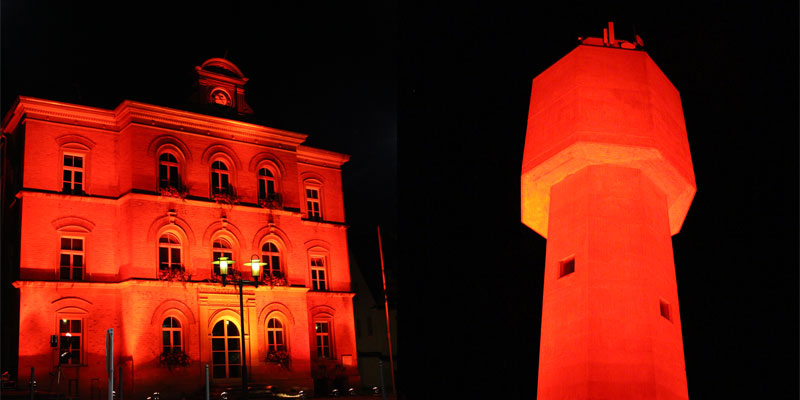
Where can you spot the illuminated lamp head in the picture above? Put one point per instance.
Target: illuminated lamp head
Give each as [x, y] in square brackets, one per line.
[223, 263]
[255, 265]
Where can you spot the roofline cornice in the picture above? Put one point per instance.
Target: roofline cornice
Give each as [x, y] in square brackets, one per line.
[311, 155]
[132, 112]
[49, 110]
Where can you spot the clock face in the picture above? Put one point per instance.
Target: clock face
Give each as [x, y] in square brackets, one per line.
[220, 97]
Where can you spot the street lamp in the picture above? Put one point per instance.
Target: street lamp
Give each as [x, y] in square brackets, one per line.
[255, 265]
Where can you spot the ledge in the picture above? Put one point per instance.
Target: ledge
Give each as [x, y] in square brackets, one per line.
[140, 282]
[140, 194]
[321, 293]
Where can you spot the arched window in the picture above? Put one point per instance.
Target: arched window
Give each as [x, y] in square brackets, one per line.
[222, 248]
[220, 178]
[267, 187]
[275, 336]
[168, 171]
[226, 355]
[172, 336]
[271, 257]
[169, 252]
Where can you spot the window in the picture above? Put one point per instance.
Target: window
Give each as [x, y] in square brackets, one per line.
[73, 174]
[566, 267]
[71, 259]
[168, 171]
[171, 334]
[318, 273]
[220, 178]
[312, 203]
[323, 339]
[169, 253]
[665, 310]
[226, 358]
[69, 341]
[266, 184]
[222, 248]
[271, 257]
[275, 336]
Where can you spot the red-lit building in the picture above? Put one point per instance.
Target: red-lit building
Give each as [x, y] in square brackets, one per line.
[115, 217]
[607, 178]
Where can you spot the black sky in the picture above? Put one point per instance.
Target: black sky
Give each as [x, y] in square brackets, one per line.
[475, 311]
[331, 78]
[438, 94]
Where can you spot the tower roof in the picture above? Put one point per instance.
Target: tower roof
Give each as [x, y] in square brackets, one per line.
[222, 66]
[605, 105]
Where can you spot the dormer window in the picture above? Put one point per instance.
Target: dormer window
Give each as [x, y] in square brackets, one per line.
[220, 85]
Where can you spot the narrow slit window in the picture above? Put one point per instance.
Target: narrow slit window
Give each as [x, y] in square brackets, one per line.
[566, 267]
[665, 310]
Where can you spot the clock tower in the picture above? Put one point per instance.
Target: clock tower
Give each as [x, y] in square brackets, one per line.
[220, 84]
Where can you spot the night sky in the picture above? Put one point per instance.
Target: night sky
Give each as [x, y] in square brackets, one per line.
[334, 79]
[431, 101]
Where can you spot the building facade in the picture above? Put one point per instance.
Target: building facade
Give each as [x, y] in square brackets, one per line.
[116, 217]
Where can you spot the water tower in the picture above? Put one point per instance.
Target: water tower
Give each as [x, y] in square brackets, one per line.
[607, 178]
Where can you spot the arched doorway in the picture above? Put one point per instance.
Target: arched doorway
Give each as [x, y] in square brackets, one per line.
[226, 353]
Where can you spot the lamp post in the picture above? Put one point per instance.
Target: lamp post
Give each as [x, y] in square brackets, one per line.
[255, 265]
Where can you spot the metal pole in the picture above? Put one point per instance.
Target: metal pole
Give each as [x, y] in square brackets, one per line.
[119, 390]
[110, 362]
[383, 387]
[244, 363]
[208, 387]
[386, 306]
[32, 384]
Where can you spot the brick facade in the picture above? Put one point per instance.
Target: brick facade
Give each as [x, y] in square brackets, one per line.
[121, 214]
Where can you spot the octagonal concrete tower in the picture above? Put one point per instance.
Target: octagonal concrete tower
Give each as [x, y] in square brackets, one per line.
[607, 178]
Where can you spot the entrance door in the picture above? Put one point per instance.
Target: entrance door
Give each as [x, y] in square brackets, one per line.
[226, 353]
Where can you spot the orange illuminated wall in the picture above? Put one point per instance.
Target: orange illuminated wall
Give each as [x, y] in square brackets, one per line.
[607, 178]
[120, 215]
